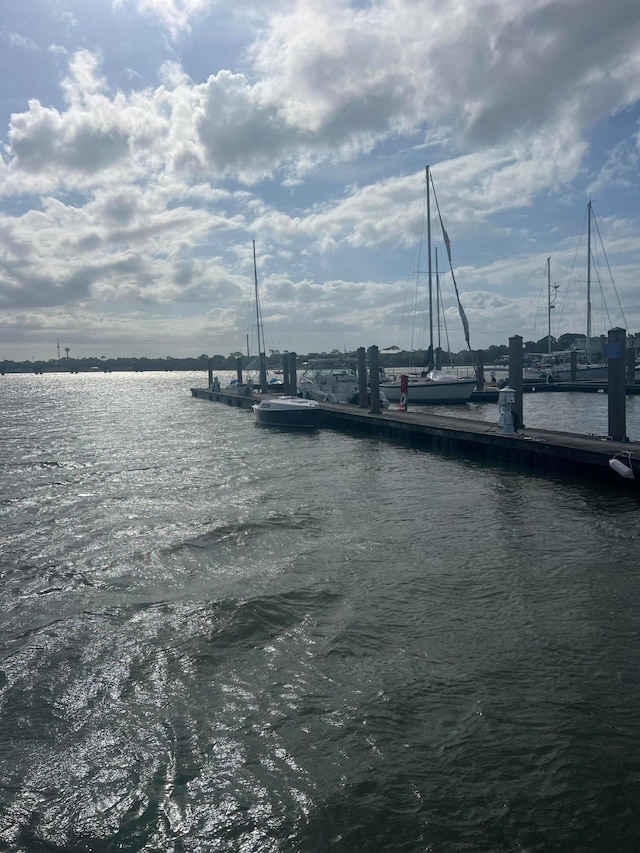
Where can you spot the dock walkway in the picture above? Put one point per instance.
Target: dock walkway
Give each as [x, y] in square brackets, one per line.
[537, 449]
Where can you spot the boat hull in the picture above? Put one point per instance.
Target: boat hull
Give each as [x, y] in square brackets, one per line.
[431, 391]
[288, 413]
[584, 373]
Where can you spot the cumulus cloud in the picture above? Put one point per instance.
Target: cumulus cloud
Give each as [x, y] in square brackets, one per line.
[494, 70]
[141, 195]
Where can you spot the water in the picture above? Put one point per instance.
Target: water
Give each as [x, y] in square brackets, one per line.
[222, 638]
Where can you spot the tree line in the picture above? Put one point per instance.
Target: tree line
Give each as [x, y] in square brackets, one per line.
[398, 358]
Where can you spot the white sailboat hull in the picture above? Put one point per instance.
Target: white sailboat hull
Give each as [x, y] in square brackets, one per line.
[584, 373]
[425, 390]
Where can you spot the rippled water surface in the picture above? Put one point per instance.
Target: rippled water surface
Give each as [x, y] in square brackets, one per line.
[223, 638]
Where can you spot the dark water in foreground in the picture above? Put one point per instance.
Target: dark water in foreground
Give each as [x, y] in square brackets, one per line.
[221, 638]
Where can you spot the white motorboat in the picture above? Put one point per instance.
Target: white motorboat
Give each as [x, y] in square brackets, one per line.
[328, 381]
[288, 412]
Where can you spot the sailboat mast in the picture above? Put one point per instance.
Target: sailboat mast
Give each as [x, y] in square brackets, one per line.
[438, 300]
[255, 279]
[588, 343]
[549, 304]
[429, 267]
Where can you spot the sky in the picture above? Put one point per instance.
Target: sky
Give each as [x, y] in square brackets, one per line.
[145, 144]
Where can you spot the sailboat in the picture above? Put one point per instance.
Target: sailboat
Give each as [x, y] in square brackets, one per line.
[432, 385]
[265, 382]
[555, 366]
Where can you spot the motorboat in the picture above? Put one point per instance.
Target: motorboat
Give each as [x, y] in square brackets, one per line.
[328, 381]
[288, 412]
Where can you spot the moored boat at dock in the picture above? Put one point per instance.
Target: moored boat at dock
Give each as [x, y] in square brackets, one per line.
[288, 412]
[332, 381]
[434, 386]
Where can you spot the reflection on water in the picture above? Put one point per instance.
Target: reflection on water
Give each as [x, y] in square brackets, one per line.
[218, 637]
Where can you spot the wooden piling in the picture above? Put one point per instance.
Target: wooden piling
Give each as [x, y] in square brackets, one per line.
[239, 370]
[574, 365]
[286, 383]
[479, 370]
[615, 352]
[362, 377]
[374, 380]
[631, 366]
[263, 373]
[293, 374]
[515, 374]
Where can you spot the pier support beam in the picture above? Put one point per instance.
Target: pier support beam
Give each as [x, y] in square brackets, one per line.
[239, 370]
[286, 382]
[479, 370]
[210, 372]
[362, 377]
[631, 366]
[574, 365]
[293, 374]
[263, 373]
[374, 380]
[515, 374]
[615, 352]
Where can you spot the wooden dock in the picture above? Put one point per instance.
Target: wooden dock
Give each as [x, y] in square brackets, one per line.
[540, 450]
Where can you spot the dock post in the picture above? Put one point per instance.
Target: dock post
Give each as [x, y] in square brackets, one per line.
[574, 365]
[361, 364]
[615, 352]
[286, 382]
[374, 380]
[263, 373]
[293, 374]
[515, 375]
[480, 370]
[631, 366]
[210, 372]
[438, 359]
[239, 370]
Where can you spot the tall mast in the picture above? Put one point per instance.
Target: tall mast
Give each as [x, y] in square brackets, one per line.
[549, 304]
[588, 343]
[430, 270]
[438, 300]
[255, 279]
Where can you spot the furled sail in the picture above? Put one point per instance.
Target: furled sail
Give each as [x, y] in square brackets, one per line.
[447, 242]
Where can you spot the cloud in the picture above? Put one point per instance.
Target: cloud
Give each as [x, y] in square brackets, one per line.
[146, 197]
[175, 15]
[493, 70]
[19, 41]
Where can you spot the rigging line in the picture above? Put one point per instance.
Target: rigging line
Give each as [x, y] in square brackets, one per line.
[535, 318]
[615, 289]
[412, 288]
[570, 290]
[463, 316]
[258, 313]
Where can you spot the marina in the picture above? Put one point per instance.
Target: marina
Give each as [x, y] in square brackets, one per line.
[541, 450]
